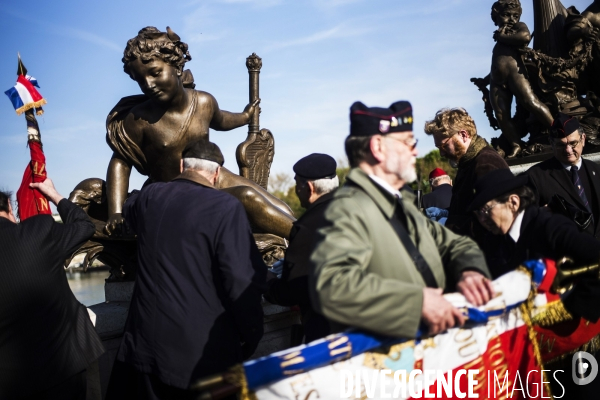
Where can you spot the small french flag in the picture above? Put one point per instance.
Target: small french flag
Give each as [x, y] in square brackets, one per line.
[24, 96]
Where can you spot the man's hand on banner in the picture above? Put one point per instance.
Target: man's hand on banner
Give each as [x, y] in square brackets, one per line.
[47, 189]
[476, 288]
[438, 313]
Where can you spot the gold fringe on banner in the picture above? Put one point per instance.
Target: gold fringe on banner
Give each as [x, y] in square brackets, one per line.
[552, 314]
[29, 106]
[526, 307]
[238, 378]
[591, 347]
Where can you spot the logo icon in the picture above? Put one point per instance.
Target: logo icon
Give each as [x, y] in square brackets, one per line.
[585, 368]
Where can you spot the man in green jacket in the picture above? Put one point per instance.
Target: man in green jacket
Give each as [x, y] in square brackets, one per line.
[379, 264]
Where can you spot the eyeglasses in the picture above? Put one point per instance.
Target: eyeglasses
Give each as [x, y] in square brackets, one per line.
[411, 143]
[443, 144]
[563, 146]
[484, 212]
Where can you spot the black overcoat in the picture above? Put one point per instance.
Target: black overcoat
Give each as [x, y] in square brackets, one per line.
[550, 177]
[292, 288]
[440, 197]
[459, 219]
[547, 235]
[46, 335]
[198, 287]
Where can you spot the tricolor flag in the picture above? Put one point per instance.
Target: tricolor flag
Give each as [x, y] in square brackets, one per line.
[499, 354]
[25, 98]
[24, 95]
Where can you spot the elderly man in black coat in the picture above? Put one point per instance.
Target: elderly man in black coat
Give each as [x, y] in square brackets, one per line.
[47, 340]
[196, 309]
[316, 181]
[567, 174]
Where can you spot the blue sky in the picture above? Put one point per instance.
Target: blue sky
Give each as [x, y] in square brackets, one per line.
[319, 56]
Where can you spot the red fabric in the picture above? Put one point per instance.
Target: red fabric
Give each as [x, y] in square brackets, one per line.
[551, 271]
[510, 352]
[31, 202]
[565, 337]
[35, 95]
[437, 172]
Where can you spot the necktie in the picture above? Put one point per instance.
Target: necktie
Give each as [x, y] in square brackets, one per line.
[579, 187]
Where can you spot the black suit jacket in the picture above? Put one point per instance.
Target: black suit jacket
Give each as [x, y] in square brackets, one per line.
[198, 285]
[550, 177]
[547, 235]
[46, 335]
[440, 197]
[292, 288]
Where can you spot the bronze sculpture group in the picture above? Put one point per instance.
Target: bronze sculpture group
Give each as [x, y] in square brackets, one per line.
[559, 74]
[148, 132]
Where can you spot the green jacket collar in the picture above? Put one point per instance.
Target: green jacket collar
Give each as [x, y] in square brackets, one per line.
[384, 200]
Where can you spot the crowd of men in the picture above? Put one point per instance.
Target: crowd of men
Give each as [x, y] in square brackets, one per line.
[363, 255]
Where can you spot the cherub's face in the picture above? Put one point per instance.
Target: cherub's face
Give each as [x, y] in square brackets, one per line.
[508, 18]
[158, 79]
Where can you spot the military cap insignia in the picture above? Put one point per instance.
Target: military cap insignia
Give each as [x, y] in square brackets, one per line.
[384, 126]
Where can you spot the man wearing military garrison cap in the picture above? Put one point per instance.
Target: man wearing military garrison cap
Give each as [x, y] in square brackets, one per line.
[316, 181]
[567, 174]
[380, 265]
[196, 309]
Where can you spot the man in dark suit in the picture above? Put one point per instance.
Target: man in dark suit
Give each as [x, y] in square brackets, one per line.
[47, 340]
[567, 174]
[441, 190]
[196, 309]
[316, 181]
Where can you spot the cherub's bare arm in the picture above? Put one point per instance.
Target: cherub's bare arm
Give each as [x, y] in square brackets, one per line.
[518, 36]
[224, 120]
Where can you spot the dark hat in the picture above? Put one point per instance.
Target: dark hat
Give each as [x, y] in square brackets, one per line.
[494, 184]
[563, 126]
[204, 150]
[367, 121]
[436, 173]
[316, 166]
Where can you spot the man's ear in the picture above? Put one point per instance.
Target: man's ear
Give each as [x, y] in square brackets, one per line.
[464, 135]
[514, 201]
[216, 179]
[311, 187]
[181, 165]
[376, 145]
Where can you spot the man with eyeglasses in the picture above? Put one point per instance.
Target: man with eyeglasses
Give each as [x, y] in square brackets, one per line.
[567, 174]
[455, 134]
[379, 264]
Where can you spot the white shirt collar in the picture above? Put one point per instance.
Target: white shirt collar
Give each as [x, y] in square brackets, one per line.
[386, 186]
[515, 229]
[568, 166]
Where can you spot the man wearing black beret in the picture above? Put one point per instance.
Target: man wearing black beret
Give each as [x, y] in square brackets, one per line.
[196, 309]
[379, 264]
[567, 174]
[316, 181]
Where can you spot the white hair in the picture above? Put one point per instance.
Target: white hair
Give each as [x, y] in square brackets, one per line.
[325, 185]
[435, 182]
[199, 164]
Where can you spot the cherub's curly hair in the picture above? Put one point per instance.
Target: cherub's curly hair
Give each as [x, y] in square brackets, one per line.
[502, 5]
[150, 42]
[448, 121]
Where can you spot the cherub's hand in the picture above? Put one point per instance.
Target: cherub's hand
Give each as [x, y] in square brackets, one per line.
[115, 224]
[252, 108]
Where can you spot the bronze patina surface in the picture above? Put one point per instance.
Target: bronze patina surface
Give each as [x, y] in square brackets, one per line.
[559, 74]
[148, 132]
